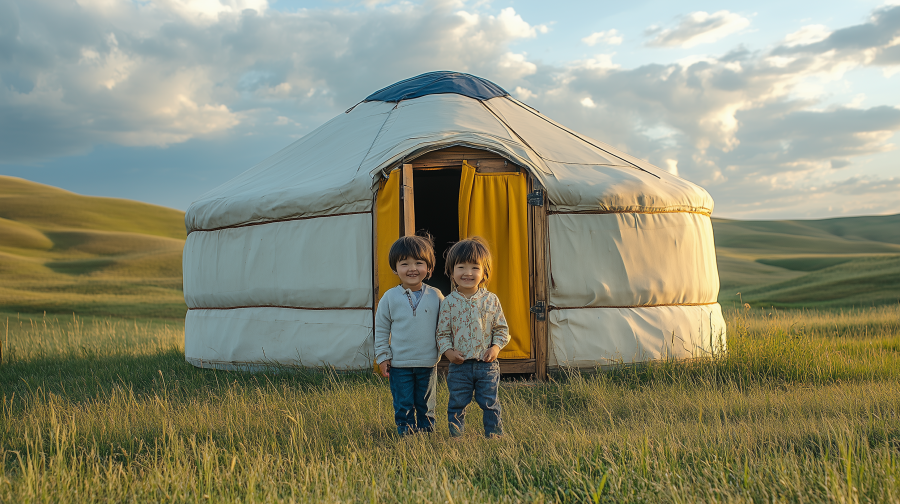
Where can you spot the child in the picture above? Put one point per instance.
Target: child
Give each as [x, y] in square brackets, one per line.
[470, 333]
[405, 323]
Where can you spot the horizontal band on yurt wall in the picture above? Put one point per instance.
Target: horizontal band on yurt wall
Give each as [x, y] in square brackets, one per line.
[552, 307]
[339, 338]
[255, 367]
[632, 259]
[249, 367]
[631, 210]
[286, 219]
[590, 338]
[312, 263]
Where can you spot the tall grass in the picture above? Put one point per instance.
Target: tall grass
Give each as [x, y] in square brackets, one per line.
[771, 346]
[802, 407]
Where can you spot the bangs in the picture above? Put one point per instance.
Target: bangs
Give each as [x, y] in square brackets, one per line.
[412, 247]
[472, 250]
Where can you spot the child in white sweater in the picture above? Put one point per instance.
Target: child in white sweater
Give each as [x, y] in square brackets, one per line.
[405, 323]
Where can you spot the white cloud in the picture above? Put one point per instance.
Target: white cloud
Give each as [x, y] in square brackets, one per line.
[598, 62]
[516, 66]
[587, 102]
[111, 68]
[514, 25]
[857, 101]
[523, 93]
[698, 28]
[809, 34]
[671, 166]
[208, 11]
[508, 23]
[160, 72]
[611, 37]
[753, 128]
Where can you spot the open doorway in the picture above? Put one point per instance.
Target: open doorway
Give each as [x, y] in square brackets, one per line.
[437, 212]
[488, 196]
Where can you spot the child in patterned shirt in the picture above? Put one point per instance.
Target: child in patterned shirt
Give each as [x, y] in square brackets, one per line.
[471, 331]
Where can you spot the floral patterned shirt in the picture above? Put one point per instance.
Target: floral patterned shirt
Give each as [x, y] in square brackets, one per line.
[472, 325]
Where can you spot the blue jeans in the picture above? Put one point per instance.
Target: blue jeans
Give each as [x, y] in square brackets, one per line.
[413, 393]
[480, 379]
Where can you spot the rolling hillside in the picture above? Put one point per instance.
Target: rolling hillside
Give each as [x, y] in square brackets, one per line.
[851, 261]
[61, 252]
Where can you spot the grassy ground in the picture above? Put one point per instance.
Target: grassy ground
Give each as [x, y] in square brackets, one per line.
[61, 253]
[804, 407]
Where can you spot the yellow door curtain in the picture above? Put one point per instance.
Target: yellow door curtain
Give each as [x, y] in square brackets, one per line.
[493, 206]
[387, 221]
[387, 229]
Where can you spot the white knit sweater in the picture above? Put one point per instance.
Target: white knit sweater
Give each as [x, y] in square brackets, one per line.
[404, 336]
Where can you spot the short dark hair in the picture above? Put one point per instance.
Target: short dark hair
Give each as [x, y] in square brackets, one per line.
[416, 247]
[471, 250]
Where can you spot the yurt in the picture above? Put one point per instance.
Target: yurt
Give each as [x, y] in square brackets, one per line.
[600, 257]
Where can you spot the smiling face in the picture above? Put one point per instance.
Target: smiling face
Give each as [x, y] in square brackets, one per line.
[412, 272]
[468, 277]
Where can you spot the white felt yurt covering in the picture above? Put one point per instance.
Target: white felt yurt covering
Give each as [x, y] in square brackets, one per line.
[278, 263]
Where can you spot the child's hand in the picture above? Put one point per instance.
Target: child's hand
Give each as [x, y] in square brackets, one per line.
[385, 368]
[454, 356]
[490, 355]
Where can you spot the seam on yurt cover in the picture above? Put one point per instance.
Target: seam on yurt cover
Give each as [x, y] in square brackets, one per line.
[279, 306]
[507, 126]
[552, 307]
[378, 134]
[628, 163]
[289, 219]
[705, 212]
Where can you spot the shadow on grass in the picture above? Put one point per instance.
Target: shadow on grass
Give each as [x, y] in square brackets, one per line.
[87, 307]
[84, 377]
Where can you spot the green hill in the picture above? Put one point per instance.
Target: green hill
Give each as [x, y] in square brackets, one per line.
[851, 261]
[62, 252]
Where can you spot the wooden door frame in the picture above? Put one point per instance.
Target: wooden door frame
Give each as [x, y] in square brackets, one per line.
[407, 201]
[451, 158]
[538, 244]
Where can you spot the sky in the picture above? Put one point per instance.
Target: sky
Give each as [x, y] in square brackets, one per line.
[781, 110]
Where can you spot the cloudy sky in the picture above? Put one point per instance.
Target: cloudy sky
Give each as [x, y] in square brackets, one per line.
[780, 109]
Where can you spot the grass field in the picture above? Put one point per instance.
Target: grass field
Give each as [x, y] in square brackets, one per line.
[804, 407]
[101, 406]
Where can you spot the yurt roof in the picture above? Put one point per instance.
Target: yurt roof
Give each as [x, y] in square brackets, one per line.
[438, 83]
[335, 168]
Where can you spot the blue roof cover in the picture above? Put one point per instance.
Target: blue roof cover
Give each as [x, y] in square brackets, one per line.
[438, 83]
